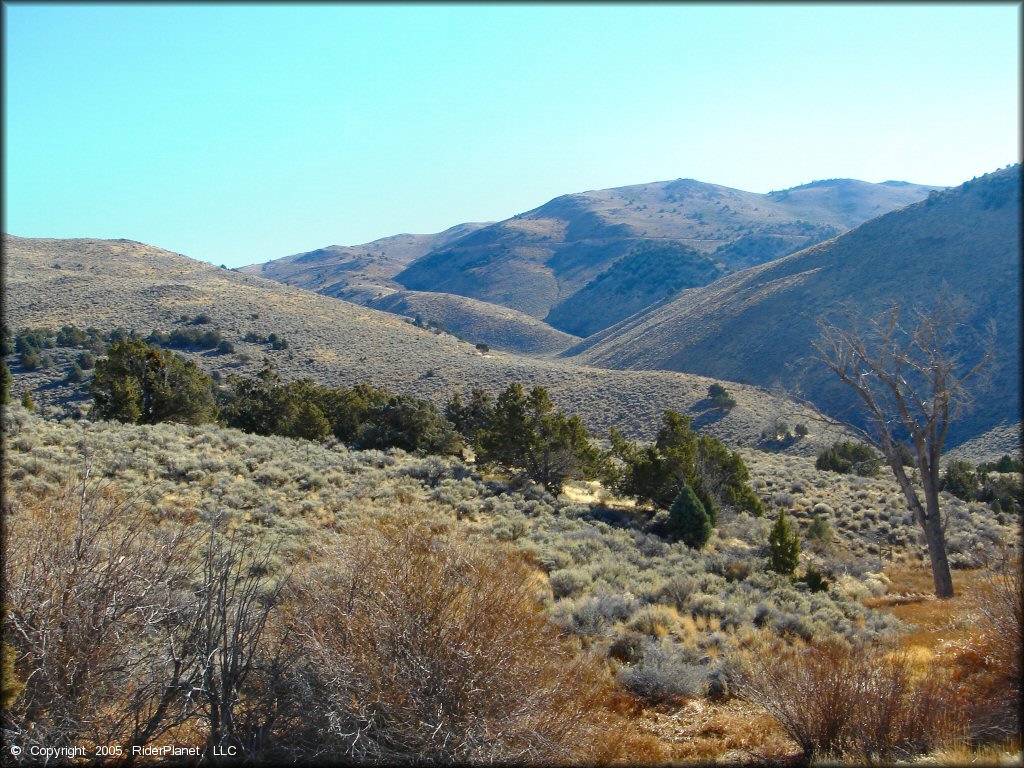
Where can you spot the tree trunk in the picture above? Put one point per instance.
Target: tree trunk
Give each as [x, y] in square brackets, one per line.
[936, 539]
[928, 518]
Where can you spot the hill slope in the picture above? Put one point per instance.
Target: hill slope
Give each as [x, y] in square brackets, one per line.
[537, 261]
[478, 321]
[356, 272]
[363, 275]
[758, 325]
[110, 283]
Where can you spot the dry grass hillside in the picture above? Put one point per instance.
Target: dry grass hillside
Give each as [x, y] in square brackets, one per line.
[478, 322]
[989, 446]
[537, 260]
[758, 325]
[107, 284]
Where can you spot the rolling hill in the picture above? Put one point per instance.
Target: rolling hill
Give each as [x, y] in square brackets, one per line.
[357, 273]
[478, 322]
[111, 283]
[758, 325]
[538, 261]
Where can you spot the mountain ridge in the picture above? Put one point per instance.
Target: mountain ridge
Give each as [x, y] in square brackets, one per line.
[552, 262]
[965, 236]
[539, 261]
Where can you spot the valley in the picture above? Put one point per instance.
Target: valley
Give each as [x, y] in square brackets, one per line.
[645, 538]
[511, 384]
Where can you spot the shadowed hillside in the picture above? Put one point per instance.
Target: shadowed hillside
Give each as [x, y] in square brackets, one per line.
[357, 273]
[111, 283]
[650, 272]
[538, 261]
[758, 325]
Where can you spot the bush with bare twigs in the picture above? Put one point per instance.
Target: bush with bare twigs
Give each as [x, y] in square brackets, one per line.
[841, 700]
[96, 589]
[417, 648]
[125, 628]
[988, 666]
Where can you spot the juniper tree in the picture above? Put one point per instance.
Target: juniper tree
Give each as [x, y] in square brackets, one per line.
[783, 546]
[689, 520]
[5, 383]
[140, 383]
[526, 434]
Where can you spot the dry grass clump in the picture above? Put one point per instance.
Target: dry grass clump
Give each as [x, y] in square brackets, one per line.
[417, 648]
[851, 701]
[655, 620]
[987, 665]
[732, 732]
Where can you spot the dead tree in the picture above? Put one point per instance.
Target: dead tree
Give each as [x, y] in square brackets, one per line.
[911, 383]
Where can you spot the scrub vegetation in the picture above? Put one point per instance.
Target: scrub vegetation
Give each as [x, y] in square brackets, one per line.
[555, 626]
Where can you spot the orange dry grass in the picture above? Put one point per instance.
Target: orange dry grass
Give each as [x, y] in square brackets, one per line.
[935, 621]
[705, 732]
[953, 637]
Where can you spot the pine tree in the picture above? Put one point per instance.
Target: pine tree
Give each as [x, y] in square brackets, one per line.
[689, 519]
[26, 401]
[784, 546]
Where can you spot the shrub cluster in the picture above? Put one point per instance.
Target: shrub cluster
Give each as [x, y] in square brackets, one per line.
[274, 340]
[679, 457]
[989, 666]
[720, 397]
[1006, 464]
[31, 341]
[437, 653]
[139, 383]
[1002, 490]
[433, 325]
[609, 572]
[402, 644]
[362, 416]
[847, 456]
[187, 338]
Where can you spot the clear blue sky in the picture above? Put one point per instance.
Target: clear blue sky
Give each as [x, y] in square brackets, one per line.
[238, 133]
